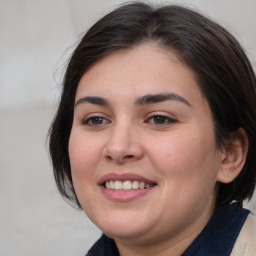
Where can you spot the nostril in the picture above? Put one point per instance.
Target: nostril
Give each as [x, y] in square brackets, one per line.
[109, 157]
[128, 156]
[119, 159]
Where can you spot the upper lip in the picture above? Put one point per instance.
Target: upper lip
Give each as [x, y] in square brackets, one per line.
[124, 177]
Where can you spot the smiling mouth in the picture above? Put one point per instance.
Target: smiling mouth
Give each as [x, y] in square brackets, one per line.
[127, 185]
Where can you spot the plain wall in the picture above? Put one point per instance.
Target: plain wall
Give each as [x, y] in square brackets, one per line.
[35, 41]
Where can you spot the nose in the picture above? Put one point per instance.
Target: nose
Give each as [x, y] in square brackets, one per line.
[123, 145]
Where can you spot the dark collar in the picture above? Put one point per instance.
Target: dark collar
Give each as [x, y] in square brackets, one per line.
[220, 234]
[105, 246]
[216, 239]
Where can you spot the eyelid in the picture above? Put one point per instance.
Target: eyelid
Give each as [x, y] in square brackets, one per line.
[88, 118]
[170, 120]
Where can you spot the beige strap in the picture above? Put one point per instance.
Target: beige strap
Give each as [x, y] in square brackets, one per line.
[246, 242]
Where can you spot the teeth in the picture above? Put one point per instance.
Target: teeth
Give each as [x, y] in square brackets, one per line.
[142, 185]
[135, 185]
[107, 184]
[112, 184]
[126, 185]
[118, 185]
[147, 186]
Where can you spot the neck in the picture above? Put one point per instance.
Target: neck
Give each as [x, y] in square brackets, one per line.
[165, 245]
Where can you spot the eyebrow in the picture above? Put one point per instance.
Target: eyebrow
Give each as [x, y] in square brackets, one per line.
[160, 97]
[144, 100]
[93, 100]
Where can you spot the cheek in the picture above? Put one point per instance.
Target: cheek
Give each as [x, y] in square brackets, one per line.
[188, 166]
[83, 155]
[185, 155]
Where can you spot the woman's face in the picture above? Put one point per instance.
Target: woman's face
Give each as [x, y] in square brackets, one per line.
[142, 147]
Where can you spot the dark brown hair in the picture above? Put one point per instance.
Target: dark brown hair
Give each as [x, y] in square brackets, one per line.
[222, 70]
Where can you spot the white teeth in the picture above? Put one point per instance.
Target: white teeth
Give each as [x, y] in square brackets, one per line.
[118, 185]
[127, 185]
[107, 185]
[135, 185]
[142, 185]
[112, 184]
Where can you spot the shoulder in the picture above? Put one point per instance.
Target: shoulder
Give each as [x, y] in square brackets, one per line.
[245, 244]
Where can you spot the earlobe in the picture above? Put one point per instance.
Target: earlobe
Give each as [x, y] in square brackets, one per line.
[233, 157]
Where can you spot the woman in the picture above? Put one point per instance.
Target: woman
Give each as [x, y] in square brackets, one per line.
[155, 133]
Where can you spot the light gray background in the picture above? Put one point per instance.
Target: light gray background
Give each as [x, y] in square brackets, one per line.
[36, 38]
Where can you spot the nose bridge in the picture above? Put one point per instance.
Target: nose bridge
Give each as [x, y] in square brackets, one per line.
[123, 143]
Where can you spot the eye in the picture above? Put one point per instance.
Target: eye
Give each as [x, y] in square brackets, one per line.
[161, 120]
[95, 121]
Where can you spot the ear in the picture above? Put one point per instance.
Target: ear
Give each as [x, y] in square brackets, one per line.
[233, 157]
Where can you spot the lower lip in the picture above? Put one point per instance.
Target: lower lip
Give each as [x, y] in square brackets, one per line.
[125, 195]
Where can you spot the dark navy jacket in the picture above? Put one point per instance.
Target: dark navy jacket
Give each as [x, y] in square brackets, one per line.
[216, 239]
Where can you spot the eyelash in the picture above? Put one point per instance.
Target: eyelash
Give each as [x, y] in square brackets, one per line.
[89, 121]
[164, 120]
[167, 120]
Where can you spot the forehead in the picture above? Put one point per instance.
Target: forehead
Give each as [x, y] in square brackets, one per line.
[141, 70]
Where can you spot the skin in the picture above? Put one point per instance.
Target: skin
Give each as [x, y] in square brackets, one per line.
[178, 152]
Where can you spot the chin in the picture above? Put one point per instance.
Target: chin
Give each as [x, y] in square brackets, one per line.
[124, 228]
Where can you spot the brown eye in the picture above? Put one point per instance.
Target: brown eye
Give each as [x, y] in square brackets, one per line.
[161, 120]
[96, 121]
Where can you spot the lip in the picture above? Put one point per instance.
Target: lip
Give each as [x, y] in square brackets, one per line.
[124, 195]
